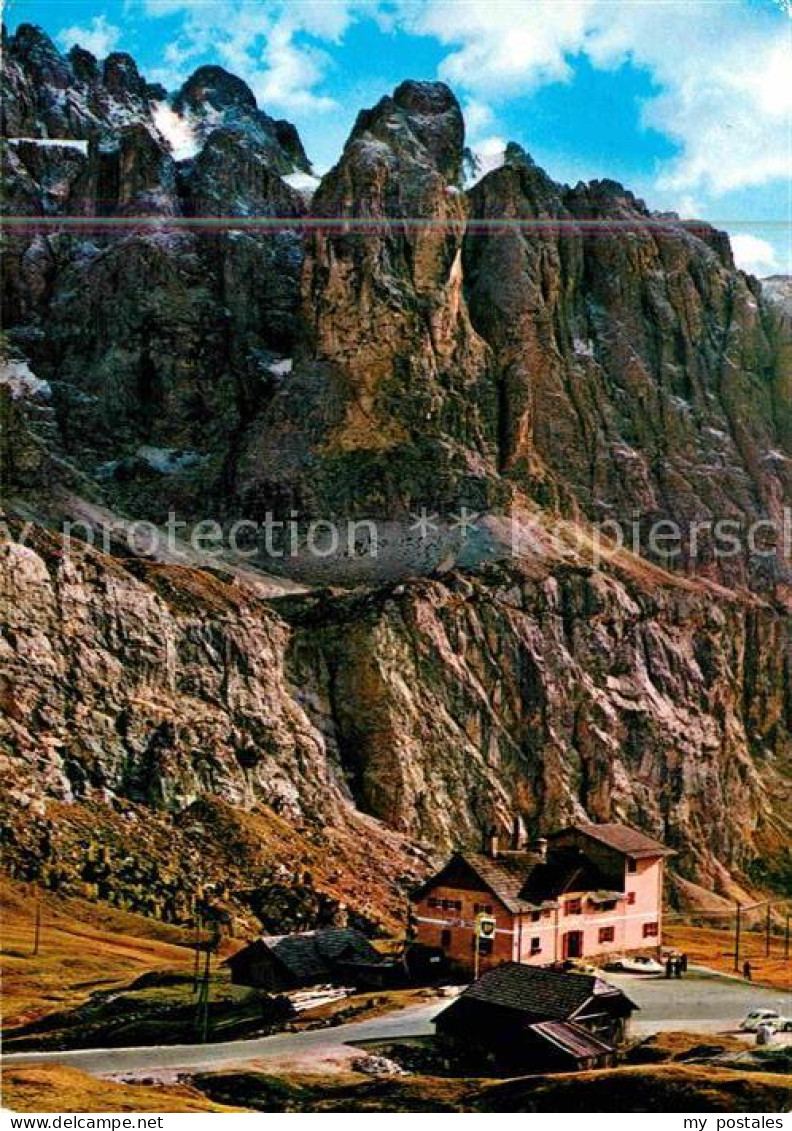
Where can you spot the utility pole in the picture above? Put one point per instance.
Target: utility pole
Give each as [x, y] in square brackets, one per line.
[786, 936]
[737, 940]
[767, 930]
[197, 963]
[202, 1005]
[37, 926]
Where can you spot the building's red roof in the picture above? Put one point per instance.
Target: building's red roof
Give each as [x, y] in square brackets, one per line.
[621, 838]
[502, 875]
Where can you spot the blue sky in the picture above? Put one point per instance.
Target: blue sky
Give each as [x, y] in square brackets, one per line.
[688, 102]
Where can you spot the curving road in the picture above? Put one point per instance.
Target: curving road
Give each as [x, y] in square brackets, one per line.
[701, 1002]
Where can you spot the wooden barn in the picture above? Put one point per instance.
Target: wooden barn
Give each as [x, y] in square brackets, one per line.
[278, 963]
[520, 1019]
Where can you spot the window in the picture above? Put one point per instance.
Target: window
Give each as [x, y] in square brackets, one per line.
[445, 939]
[547, 913]
[651, 930]
[435, 903]
[631, 866]
[482, 908]
[573, 907]
[452, 904]
[607, 934]
[536, 946]
[536, 916]
[485, 946]
[631, 897]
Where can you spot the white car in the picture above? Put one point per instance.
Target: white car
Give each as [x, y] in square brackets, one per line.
[636, 965]
[769, 1017]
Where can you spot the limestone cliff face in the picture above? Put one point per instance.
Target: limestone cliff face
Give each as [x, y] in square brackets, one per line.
[149, 338]
[636, 366]
[438, 707]
[392, 405]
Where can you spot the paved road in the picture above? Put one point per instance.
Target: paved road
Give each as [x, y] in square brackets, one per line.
[698, 1003]
[321, 1047]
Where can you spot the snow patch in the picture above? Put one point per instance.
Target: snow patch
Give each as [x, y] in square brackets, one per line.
[17, 377]
[281, 367]
[168, 460]
[583, 349]
[52, 143]
[488, 155]
[304, 183]
[177, 131]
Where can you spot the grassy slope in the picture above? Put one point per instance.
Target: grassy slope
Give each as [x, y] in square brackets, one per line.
[84, 947]
[55, 1088]
[664, 1088]
[709, 947]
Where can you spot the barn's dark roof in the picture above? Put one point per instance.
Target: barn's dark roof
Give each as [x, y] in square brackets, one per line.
[314, 954]
[571, 1038]
[537, 993]
[622, 838]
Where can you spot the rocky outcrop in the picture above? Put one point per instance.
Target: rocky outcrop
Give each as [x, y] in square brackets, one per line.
[148, 338]
[635, 364]
[392, 406]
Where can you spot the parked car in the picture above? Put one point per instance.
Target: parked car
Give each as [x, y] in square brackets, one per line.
[636, 965]
[769, 1017]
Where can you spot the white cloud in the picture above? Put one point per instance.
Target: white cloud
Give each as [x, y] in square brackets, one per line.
[99, 37]
[478, 115]
[754, 255]
[262, 44]
[287, 74]
[722, 72]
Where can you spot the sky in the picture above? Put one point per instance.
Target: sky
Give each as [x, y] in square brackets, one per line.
[686, 102]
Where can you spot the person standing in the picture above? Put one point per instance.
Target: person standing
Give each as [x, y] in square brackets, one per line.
[747, 970]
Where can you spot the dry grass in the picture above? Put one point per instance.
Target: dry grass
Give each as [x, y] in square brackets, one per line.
[84, 947]
[56, 1088]
[666, 1088]
[707, 946]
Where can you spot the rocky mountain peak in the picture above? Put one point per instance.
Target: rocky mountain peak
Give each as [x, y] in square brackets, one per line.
[121, 76]
[213, 99]
[217, 88]
[32, 47]
[421, 122]
[379, 368]
[84, 64]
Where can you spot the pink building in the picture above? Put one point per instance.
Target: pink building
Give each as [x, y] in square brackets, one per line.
[588, 891]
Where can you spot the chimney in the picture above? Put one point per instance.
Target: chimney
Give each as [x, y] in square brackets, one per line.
[539, 847]
[493, 845]
[518, 834]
